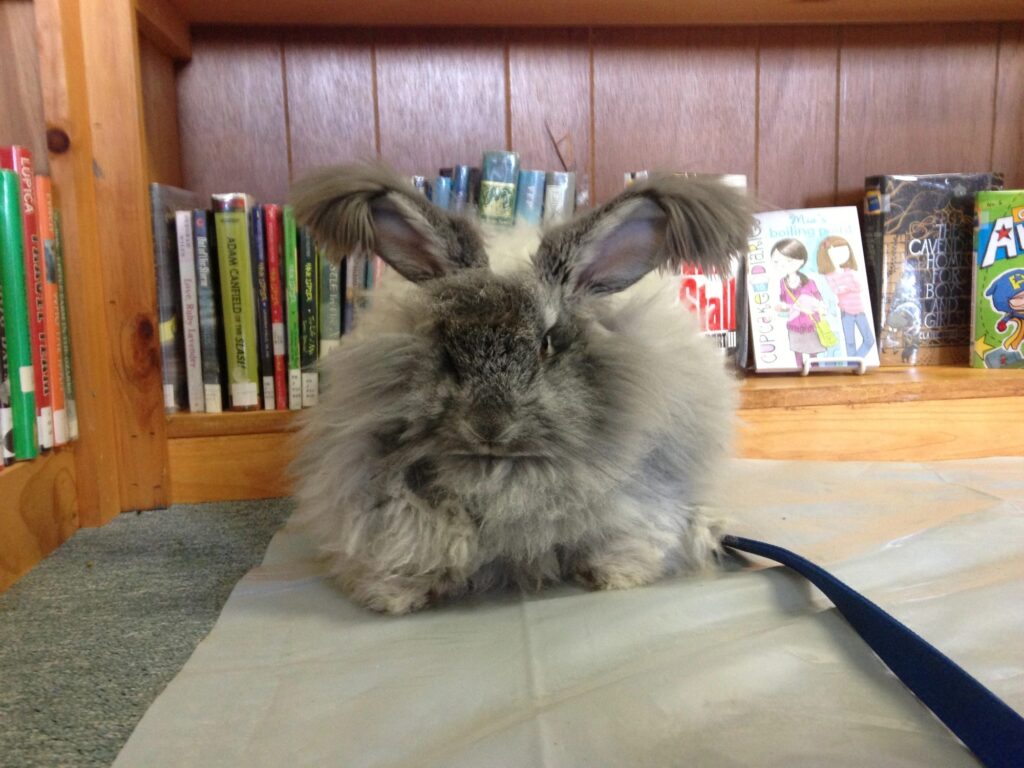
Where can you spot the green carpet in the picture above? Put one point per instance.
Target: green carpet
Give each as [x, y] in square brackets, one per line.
[96, 631]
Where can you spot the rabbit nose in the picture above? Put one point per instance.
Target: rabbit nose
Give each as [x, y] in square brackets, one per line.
[490, 421]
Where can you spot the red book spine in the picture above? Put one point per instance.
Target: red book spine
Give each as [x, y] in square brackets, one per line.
[55, 357]
[19, 160]
[272, 216]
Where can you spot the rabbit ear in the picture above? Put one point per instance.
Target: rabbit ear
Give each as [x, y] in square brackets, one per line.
[659, 223]
[370, 209]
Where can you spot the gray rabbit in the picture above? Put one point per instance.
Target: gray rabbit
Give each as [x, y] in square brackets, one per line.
[483, 429]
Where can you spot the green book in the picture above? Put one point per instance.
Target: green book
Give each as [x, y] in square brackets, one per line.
[330, 305]
[70, 404]
[997, 317]
[309, 334]
[291, 291]
[238, 303]
[21, 381]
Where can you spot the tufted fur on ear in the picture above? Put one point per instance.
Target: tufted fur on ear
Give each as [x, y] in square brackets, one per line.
[662, 222]
[370, 209]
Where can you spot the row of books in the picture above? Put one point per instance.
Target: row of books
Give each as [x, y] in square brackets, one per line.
[247, 304]
[37, 395]
[925, 274]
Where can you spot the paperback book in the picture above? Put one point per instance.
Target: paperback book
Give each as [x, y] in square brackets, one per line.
[51, 301]
[997, 316]
[807, 291]
[919, 237]
[211, 340]
[190, 312]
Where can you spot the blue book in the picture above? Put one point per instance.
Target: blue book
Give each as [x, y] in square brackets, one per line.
[442, 191]
[264, 324]
[530, 197]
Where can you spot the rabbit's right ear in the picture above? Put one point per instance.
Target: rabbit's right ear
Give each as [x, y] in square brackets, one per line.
[364, 209]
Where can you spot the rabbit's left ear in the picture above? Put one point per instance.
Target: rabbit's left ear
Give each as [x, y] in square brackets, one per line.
[663, 222]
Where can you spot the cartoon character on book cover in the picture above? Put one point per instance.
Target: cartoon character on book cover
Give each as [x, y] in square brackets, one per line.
[998, 316]
[808, 292]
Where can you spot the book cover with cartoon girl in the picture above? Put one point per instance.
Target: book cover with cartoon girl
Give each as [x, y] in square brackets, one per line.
[997, 316]
[807, 291]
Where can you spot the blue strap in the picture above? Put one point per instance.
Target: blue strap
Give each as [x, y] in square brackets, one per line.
[982, 721]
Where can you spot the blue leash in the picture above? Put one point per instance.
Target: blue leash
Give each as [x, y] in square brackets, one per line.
[975, 715]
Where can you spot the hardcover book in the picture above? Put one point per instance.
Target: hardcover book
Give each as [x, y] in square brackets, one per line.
[6, 415]
[997, 315]
[498, 187]
[330, 305]
[919, 237]
[70, 403]
[211, 339]
[190, 312]
[274, 239]
[19, 159]
[309, 334]
[238, 301]
[21, 377]
[264, 327]
[165, 201]
[807, 291]
[291, 296]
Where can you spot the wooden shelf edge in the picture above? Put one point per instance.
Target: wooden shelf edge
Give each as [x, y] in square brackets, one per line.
[586, 13]
[39, 511]
[883, 385]
[183, 425]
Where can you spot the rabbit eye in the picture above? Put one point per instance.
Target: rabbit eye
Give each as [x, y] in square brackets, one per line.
[547, 346]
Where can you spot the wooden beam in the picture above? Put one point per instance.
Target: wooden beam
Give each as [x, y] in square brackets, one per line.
[162, 23]
[110, 43]
[66, 110]
[39, 511]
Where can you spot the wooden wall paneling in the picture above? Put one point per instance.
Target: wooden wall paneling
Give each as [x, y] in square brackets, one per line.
[110, 43]
[232, 115]
[40, 512]
[21, 103]
[441, 97]
[673, 100]
[329, 78]
[218, 468]
[66, 108]
[1008, 136]
[796, 147]
[914, 99]
[160, 110]
[549, 89]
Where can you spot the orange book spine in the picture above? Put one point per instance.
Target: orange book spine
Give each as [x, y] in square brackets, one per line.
[51, 302]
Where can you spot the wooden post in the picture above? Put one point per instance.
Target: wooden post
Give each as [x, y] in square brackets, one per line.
[112, 82]
[69, 136]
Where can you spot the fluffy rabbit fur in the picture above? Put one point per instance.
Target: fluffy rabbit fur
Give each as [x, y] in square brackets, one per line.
[484, 429]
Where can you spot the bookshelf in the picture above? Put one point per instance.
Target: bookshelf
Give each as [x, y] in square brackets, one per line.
[804, 98]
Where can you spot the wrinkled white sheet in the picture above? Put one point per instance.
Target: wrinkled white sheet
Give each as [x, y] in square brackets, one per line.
[746, 668]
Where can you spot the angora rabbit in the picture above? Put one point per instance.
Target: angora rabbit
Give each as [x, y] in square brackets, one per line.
[482, 429]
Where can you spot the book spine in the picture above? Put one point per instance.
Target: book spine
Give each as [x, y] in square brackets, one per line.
[21, 376]
[172, 364]
[19, 160]
[231, 219]
[530, 197]
[55, 355]
[190, 312]
[6, 415]
[263, 323]
[291, 285]
[461, 196]
[442, 192]
[70, 403]
[309, 335]
[210, 341]
[330, 305]
[876, 206]
[498, 187]
[559, 196]
[348, 294]
[272, 214]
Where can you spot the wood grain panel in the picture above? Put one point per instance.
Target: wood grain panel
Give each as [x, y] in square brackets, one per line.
[330, 98]
[914, 99]
[231, 423]
[230, 468]
[113, 84]
[160, 22]
[21, 104]
[673, 100]
[915, 431]
[65, 104]
[1008, 138]
[541, 13]
[160, 108]
[231, 107]
[549, 90]
[441, 97]
[798, 71]
[38, 514]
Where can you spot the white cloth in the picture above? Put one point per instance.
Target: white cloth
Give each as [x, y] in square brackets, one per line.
[744, 668]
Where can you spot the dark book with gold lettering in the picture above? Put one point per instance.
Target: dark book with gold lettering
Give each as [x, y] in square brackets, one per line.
[919, 242]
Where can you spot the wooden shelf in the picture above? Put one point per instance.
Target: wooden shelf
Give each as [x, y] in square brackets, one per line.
[38, 513]
[231, 423]
[582, 13]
